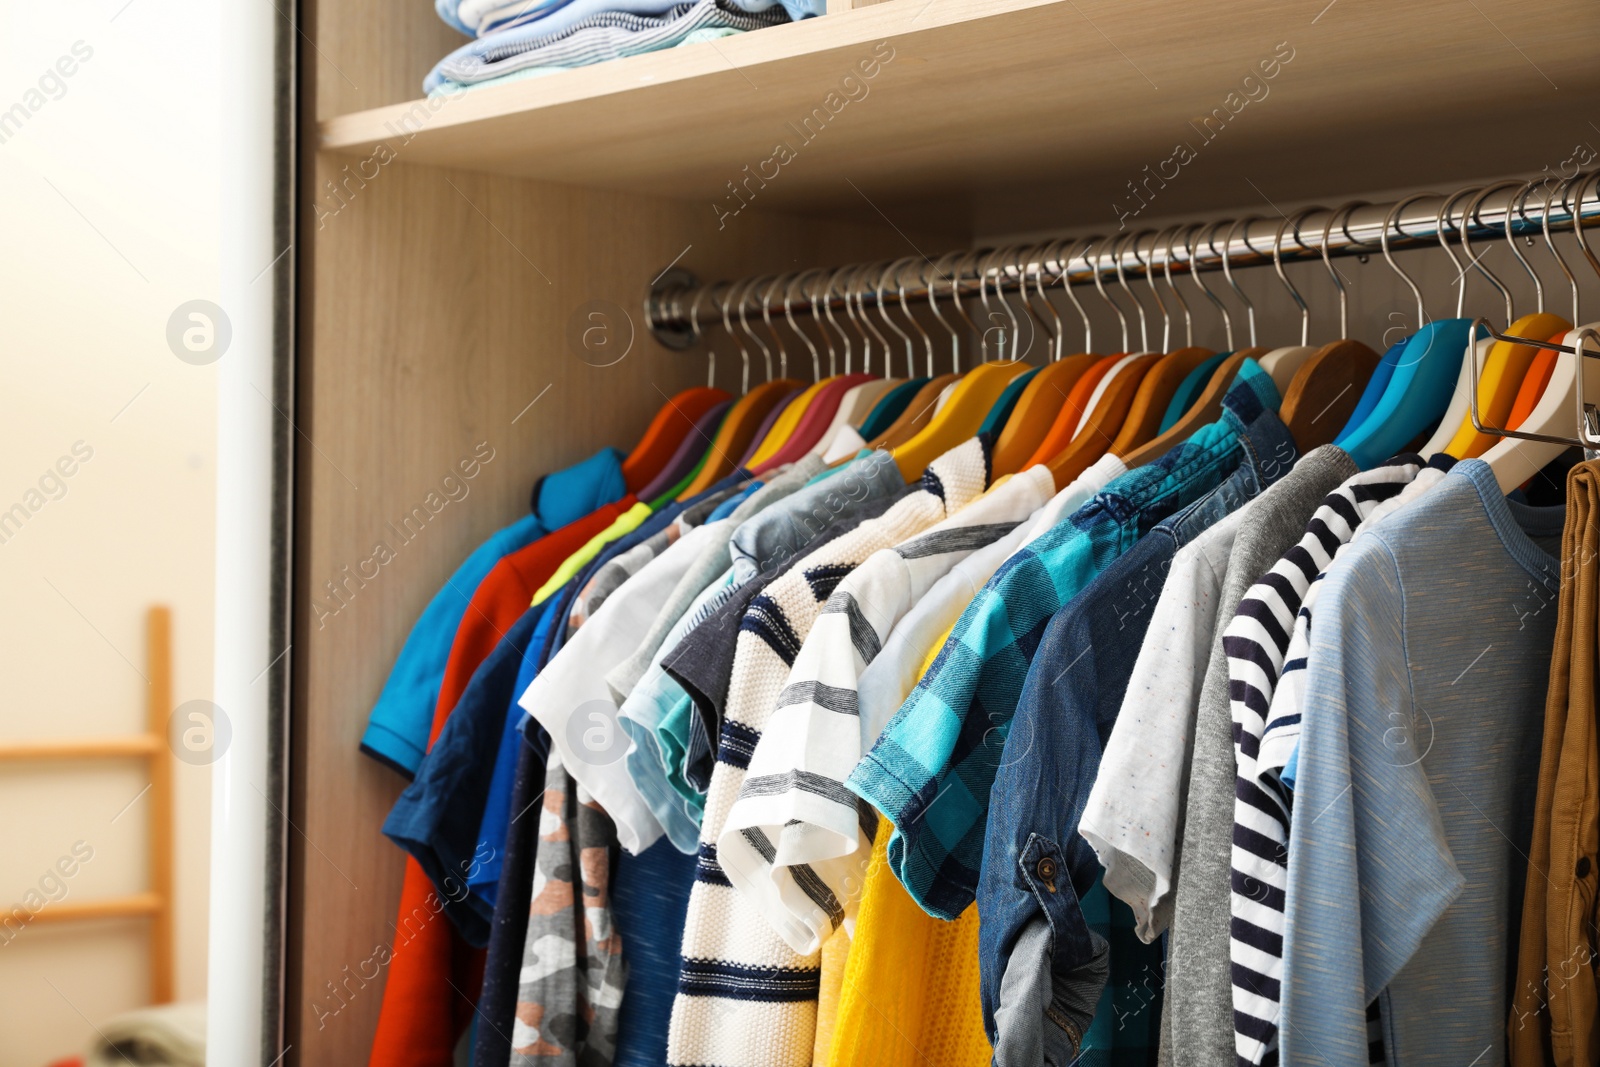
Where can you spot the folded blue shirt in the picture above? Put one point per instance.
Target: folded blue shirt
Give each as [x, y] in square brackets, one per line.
[401, 720]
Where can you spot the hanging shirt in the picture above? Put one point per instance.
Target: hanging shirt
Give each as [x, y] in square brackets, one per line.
[931, 771]
[793, 796]
[1058, 952]
[397, 731]
[714, 559]
[745, 998]
[1197, 1016]
[1414, 803]
[890, 678]
[1256, 642]
[1288, 699]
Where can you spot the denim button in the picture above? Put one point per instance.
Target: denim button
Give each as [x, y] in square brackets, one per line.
[1047, 872]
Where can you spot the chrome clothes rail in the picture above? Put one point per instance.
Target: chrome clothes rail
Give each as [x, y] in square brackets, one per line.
[678, 309]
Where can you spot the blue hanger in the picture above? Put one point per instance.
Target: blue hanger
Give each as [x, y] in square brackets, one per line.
[1422, 379]
[1374, 390]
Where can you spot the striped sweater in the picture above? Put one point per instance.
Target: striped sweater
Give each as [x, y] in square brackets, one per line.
[745, 998]
[797, 841]
[1255, 643]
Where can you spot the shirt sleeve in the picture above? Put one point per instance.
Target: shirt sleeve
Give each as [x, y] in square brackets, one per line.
[1370, 870]
[1134, 815]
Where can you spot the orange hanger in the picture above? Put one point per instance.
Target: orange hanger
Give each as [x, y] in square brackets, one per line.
[1065, 427]
[1103, 423]
[671, 424]
[734, 435]
[1507, 364]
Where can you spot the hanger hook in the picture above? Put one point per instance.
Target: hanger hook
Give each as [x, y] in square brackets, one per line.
[1017, 260]
[1150, 279]
[855, 308]
[1056, 330]
[766, 317]
[1550, 244]
[1099, 284]
[694, 328]
[1441, 226]
[1227, 270]
[1277, 265]
[827, 307]
[1468, 219]
[727, 325]
[905, 309]
[970, 258]
[1345, 209]
[896, 267]
[820, 296]
[989, 316]
[933, 304]
[1391, 221]
[788, 313]
[1194, 275]
[1520, 201]
[744, 324]
[1577, 218]
[861, 280]
[1122, 280]
[1166, 272]
[1066, 286]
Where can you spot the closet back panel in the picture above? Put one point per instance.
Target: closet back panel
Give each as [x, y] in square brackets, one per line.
[437, 310]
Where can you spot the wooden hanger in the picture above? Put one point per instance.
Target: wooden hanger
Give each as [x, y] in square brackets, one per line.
[1036, 411]
[959, 418]
[916, 414]
[1325, 391]
[1143, 420]
[734, 436]
[1073, 410]
[690, 457]
[1515, 459]
[1205, 410]
[814, 421]
[1099, 431]
[671, 424]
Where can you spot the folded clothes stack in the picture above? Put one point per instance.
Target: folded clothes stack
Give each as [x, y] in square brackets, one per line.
[528, 38]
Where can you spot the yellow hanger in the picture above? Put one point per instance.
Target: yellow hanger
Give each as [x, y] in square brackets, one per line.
[963, 413]
[1506, 363]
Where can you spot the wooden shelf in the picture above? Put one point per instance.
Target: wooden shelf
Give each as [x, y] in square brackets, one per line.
[1040, 99]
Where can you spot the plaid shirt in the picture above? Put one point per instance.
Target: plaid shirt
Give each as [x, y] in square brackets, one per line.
[931, 771]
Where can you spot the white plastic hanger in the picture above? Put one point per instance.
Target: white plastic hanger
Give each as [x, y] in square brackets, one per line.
[1546, 432]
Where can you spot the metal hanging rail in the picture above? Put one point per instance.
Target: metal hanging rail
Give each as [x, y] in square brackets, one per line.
[678, 309]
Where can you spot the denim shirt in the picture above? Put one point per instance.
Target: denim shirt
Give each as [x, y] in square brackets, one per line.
[1041, 958]
[931, 771]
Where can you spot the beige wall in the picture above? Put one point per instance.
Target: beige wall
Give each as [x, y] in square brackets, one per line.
[111, 202]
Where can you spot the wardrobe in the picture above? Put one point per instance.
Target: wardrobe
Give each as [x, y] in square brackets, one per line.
[472, 269]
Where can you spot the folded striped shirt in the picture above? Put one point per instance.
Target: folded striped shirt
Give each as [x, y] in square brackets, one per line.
[1255, 643]
[745, 998]
[794, 839]
[583, 33]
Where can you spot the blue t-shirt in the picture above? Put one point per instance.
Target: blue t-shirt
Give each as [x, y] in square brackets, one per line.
[397, 731]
